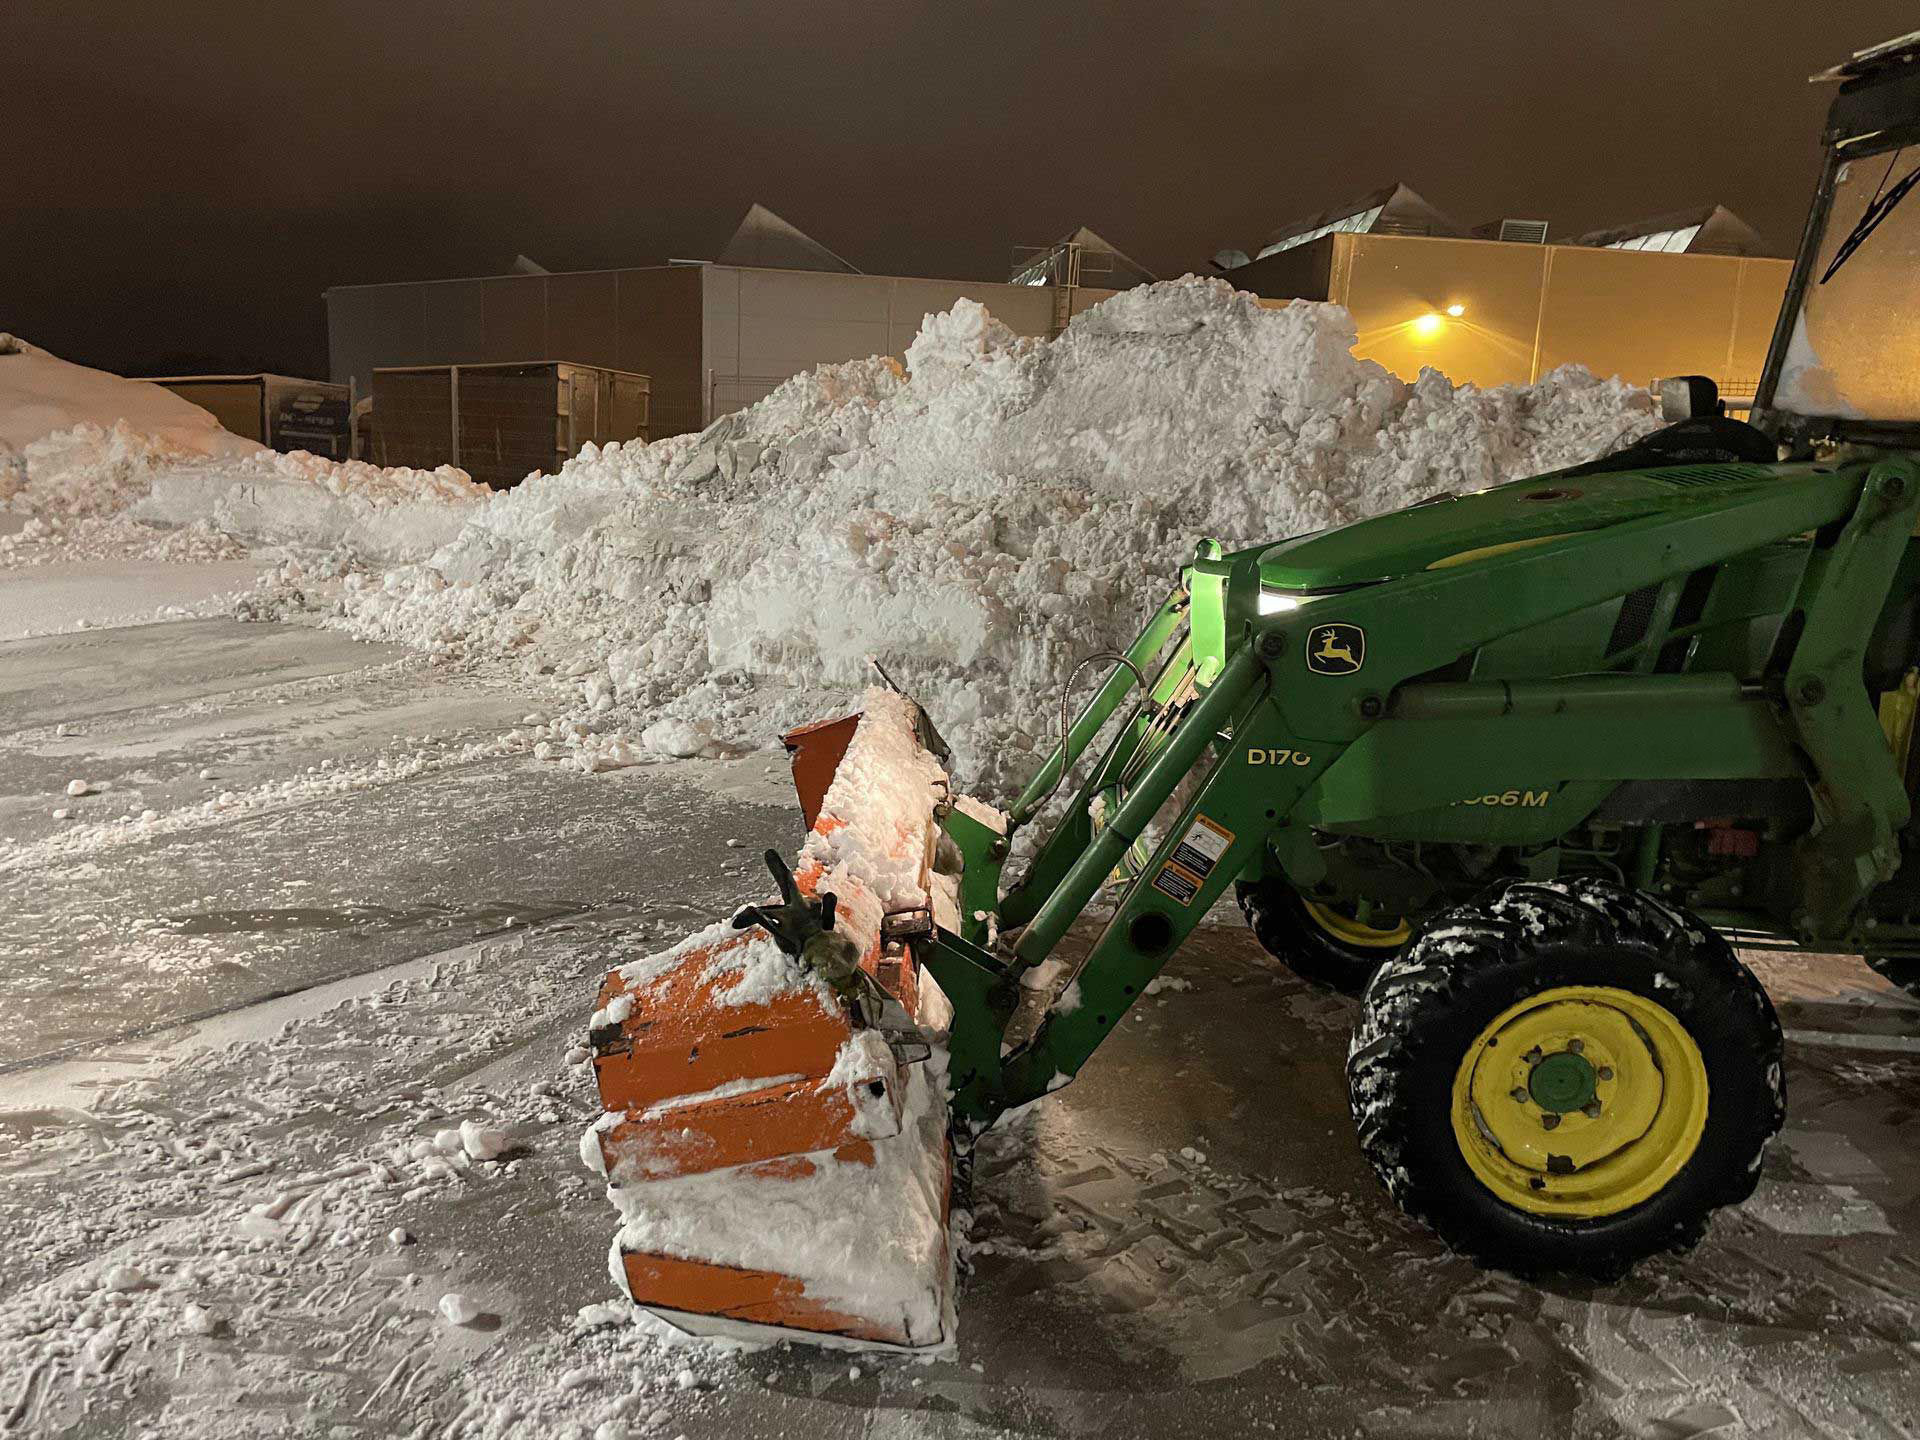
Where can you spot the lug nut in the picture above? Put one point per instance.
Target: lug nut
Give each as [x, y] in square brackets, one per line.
[1605, 1072]
[1574, 1047]
[1519, 1093]
[1549, 1121]
[1591, 1109]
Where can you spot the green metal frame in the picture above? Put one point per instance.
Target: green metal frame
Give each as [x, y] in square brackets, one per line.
[1286, 750]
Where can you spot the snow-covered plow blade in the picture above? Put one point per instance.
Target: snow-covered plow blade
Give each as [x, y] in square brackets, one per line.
[774, 1133]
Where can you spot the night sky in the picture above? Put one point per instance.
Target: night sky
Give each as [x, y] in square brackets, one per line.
[182, 180]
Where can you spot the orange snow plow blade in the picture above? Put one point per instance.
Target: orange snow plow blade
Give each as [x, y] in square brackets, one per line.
[777, 1165]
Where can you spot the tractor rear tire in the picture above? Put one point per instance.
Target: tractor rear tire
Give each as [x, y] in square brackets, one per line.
[1318, 944]
[1901, 970]
[1635, 1095]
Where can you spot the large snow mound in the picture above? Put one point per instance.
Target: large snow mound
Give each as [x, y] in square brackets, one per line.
[978, 520]
[41, 393]
[92, 463]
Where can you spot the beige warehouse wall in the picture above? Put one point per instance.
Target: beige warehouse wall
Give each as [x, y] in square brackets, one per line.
[1530, 308]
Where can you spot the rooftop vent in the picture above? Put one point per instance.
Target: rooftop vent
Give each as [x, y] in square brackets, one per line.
[1524, 232]
[1514, 232]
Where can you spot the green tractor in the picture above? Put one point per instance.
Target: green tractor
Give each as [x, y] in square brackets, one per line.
[1526, 764]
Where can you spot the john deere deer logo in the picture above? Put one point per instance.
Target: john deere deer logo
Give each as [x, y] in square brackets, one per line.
[1336, 649]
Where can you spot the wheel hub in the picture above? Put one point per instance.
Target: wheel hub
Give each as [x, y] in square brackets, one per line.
[1580, 1101]
[1563, 1081]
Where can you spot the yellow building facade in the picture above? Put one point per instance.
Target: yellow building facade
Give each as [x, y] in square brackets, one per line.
[1496, 313]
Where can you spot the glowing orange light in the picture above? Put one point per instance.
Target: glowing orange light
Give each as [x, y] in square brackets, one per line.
[1456, 311]
[1428, 325]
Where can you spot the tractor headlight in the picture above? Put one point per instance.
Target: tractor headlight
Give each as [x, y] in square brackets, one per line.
[1272, 602]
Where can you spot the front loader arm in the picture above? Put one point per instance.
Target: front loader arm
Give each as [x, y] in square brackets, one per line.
[1160, 910]
[1290, 738]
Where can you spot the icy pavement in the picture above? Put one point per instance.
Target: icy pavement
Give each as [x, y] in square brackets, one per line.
[74, 595]
[246, 1223]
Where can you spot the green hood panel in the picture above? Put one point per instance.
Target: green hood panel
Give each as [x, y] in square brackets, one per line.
[1454, 529]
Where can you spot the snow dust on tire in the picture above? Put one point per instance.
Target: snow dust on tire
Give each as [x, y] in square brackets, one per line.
[1425, 1013]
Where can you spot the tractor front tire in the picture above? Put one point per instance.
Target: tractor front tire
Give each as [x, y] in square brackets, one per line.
[1566, 1077]
[1317, 942]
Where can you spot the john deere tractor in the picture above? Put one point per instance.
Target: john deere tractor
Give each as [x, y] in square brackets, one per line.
[1528, 763]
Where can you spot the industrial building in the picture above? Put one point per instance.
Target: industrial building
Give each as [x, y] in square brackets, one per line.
[1495, 304]
[711, 336]
[1500, 304]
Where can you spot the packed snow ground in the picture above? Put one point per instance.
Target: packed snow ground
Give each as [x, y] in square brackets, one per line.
[978, 519]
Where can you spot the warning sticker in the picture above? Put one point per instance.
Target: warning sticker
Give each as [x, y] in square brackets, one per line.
[1202, 846]
[1178, 883]
[1193, 860]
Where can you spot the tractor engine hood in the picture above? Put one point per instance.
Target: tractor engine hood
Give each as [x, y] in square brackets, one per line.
[1457, 529]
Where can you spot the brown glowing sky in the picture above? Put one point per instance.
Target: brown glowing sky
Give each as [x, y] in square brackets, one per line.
[182, 180]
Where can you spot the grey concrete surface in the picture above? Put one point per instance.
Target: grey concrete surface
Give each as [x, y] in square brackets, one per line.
[1184, 1242]
[165, 923]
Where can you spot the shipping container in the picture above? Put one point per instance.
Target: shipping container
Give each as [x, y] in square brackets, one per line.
[501, 422]
[282, 412]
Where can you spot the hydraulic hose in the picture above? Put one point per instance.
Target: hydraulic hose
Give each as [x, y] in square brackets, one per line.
[1066, 717]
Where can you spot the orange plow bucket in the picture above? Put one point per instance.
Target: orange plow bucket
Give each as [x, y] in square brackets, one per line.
[776, 1166]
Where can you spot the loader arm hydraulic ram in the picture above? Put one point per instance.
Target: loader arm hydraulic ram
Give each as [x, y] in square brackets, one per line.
[1320, 713]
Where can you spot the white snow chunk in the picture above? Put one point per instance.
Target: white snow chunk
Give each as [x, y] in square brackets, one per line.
[123, 1278]
[198, 1320]
[681, 739]
[76, 787]
[484, 1142]
[457, 1309]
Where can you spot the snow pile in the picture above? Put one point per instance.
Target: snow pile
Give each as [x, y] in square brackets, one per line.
[979, 521]
[308, 502]
[74, 487]
[41, 394]
[95, 462]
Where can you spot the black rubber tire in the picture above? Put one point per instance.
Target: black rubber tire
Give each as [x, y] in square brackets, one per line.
[1901, 970]
[1423, 1011]
[1288, 933]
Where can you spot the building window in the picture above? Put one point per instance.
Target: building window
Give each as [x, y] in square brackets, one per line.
[1672, 242]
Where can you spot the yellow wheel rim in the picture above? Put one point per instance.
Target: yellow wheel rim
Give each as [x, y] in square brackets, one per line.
[1581, 1102]
[1350, 931]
